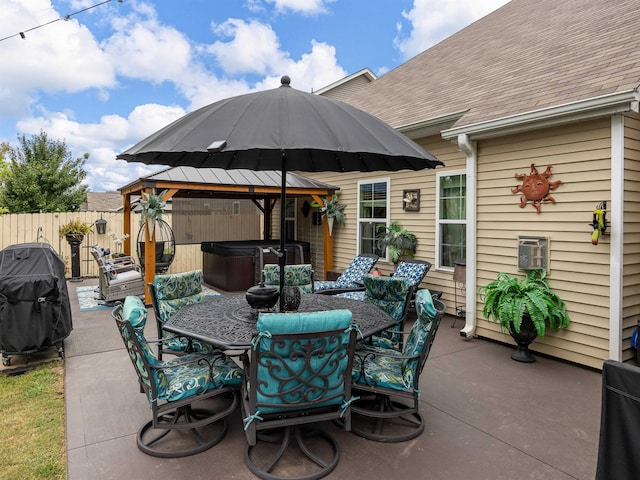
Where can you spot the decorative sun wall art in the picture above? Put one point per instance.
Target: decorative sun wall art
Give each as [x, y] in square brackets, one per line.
[535, 187]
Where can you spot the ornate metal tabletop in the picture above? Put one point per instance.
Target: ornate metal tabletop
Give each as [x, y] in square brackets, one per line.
[228, 322]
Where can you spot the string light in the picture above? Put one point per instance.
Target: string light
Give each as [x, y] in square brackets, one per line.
[22, 34]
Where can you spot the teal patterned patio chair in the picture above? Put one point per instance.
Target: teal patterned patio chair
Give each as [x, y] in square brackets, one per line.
[169, 293]
[298, 373]
[351, 279]
[176, 428]
[382, 376]
[295, 275]
[392, 295]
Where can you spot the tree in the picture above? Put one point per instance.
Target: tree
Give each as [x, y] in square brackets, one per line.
[42, 176]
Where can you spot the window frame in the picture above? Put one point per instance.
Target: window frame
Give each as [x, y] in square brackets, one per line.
[360, 220]
[439, 222]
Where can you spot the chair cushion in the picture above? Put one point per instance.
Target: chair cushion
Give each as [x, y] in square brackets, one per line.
[134, 312]
[168, 308]
[388, 293]
[352, 295]
[414, 272]
[184, 380]
[358, 267]
[300, 322]
[123, 277]
[420, 330]
[179, 285]
[297, 275]
[381, 368]
[289, 372]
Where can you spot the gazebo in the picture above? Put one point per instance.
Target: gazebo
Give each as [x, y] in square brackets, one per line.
[261, 187]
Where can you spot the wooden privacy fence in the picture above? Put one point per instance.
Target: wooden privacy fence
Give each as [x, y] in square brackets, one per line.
[43, 227]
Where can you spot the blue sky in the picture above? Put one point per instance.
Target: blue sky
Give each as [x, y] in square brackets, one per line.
[112, 75]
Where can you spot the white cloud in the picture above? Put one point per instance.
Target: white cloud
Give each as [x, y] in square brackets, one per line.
[104, 140]
[431, 21]
[41, 62]
[301, 6]
[253, 47]
[144, 49]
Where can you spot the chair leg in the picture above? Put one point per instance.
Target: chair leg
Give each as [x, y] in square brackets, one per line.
[192, 431]
[370, 416]
[318, 447]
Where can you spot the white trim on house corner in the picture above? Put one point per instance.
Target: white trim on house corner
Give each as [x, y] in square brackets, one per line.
[610, 104]
[365, 72]
[616, 232]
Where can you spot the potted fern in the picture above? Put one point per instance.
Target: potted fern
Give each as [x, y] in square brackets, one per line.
[523, 307]
[398, 241]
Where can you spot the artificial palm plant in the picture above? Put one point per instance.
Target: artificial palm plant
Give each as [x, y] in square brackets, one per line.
[398, 241]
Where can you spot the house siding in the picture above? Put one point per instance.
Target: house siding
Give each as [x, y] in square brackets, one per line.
[421, 223]
[578, 271]
[631, 242]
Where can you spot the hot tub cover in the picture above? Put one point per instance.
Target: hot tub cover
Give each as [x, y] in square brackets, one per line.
[35, 312]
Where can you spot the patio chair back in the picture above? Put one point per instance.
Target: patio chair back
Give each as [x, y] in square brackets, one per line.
[169, 293]
[294, 275]
[299, 372]
[392, 295]
[413, 270]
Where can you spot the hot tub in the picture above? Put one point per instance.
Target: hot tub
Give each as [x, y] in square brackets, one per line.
[235, 266]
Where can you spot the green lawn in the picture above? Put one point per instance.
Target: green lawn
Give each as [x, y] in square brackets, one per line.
[32, 424]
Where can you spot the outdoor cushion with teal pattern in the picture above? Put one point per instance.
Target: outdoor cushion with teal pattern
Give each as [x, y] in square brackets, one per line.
[296, 275]
[351, 277]
[388, 367]
[183, 376]
[174, 291]
[390, 294]
[325, 378]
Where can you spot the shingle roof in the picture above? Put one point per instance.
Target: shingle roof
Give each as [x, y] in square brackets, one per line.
[102, 202]
[525, 56]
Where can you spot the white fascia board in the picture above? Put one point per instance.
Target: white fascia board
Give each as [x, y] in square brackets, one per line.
[431, 126]
[605, 105]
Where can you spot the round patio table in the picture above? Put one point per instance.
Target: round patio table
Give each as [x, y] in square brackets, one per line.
[228, 322]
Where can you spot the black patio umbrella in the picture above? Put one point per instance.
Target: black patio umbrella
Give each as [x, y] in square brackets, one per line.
[280, 129]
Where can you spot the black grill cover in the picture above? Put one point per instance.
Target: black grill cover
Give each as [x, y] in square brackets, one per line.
[618, 451]
[34, 302]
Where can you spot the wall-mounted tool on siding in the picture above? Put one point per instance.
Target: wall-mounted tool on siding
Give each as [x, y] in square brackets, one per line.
[599, 222]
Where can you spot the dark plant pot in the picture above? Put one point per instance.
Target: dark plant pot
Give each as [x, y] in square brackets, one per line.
[527, 335]
[75, 239]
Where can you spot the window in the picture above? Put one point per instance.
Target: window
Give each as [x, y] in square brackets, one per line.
[451, 218]
[373, 211]
[290, 219]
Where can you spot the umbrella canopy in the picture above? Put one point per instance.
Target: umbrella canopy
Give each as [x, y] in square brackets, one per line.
[280, 129]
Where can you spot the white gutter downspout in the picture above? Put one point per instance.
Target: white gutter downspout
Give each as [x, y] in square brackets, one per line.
[616, 218]
[469, 148]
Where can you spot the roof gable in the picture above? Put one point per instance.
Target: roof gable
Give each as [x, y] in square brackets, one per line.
[525, 56]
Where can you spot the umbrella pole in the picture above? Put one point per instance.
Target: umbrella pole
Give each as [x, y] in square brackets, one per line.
[282, 259]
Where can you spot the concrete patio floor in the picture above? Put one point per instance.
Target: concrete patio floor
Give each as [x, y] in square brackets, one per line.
[487, 417]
